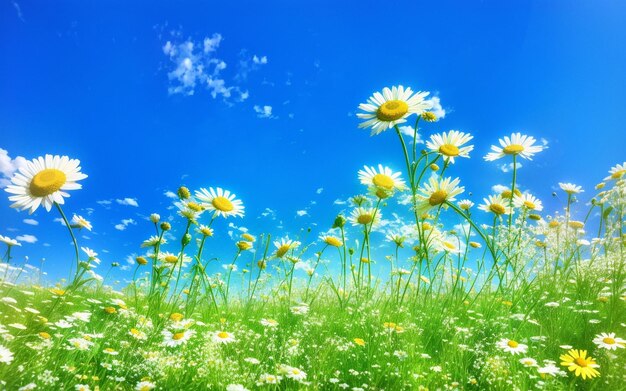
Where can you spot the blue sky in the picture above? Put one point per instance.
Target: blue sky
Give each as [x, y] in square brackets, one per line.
[97, 82]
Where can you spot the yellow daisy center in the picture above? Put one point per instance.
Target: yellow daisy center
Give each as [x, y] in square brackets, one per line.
[449, 150]
[178, 336]
[384, 181]
[47, 181]
[449, 245]
[512, 344]
[529, 205]
[438, 198]
[581, 362]
[222, 204]
[222, 335]
[497, 209]
[282, 250]
[608, 341]
[392, 110]
[171, 258]
[618, 174]
[513, 149]
[365, 218]
[333, 241]
[195, 206]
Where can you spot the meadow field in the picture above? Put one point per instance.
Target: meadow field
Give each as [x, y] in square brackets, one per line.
[490, 293]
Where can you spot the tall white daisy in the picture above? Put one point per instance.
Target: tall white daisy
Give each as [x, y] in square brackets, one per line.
[517, 145]
[382, 179]
[609, 341]
[437, 192]
[44, 181]
[365, 216]
[81, 222]
[9, 242]
[220, 201]
[616, 172]
[391, 107]
[450, 144]
[527, 201]
[496, 204]
[284, 245]
[511, 346]
[571, 188]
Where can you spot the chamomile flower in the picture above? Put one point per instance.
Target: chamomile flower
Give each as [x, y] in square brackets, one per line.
[294, 374]
[284, 245]
[465, 204]
[9, 242]
[44, 181]
[516, 145]
[176, 338]
[365, 216]
[511, 346]
[571, 188]
[153, 241]
[269, 322]
[495, 204]
[397, 238]
[609, 341]
[80, 222]
[6, 356]
[528, 202]
[528, 362]
[616, 172]
[221, 202]
[391, 107]
[382, 179]
[223, 337]
[331, 240]
[267, 378]
[450, 144]
[144, 386]
[437, 192]
[582, 365]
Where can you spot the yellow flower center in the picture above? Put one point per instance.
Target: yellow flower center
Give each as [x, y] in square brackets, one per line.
[282, 250]
[222, 335]
[178, 336]
[449, 150]
[512, 344]
[222, 204]
[365, 218]
[497, 209]
[448, 245]
[392, 110]
[46, 182]
[513, 149]
[176, 317]
[171, 258]
[195, 206]
[581, 362]
[608, 341]
[333, 241]
[576, 224]
[529, 205]
[618, 174]
[438, 198]
[553, 224]
[295, 371]
[384, 181]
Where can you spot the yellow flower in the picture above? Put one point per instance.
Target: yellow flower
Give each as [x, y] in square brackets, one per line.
[110, 310]
[578, 362]
[359, 341]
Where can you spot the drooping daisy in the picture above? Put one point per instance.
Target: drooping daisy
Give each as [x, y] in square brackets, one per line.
[365, 216]
[153, 241]
[616, 172]
[495, 204]
[391, 107]
[450, 144]
[220, 201]
[223, 337]
[511, 346]
[331, 240]
[528, 202]
[609, 341]
[437, 192]
[397, 238]
[9, 242]
[80, 222]
[517, 145]
[384, 179]
[578, 362]
[571, 188]
[176, 338]
[284, 245]
[44, 181]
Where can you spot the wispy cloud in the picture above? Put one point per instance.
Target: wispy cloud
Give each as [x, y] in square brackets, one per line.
[125, 223]
[31, 222]
[27, 238]
[320, 190]
[437, 109]
[170, 194]
[263, 112]
[302, 212]
[127, 201]
[9, 166]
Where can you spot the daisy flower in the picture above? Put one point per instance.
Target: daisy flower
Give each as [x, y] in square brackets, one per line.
[223, 337]
[437, 192]
[465, 204]
[450, 144]
[550, 369]
[496, 205]
[80, 222]
[578, 362]
[6, 356]
[236, 387]
[528, 362]
[527, 201]
[331, 240]
[266, 378]
[9, 242]
[269, 322]
[616, 172]
[295, 374]
[609, 341]
[384, 179]
[391, 107]
[571, 188]
[517, 144]
[153, 241]
[144, 386]
[397, 238]
[365, 216]
[44, 181]
[284, 245]
[220, 201]
[172, 339]
[511, 346]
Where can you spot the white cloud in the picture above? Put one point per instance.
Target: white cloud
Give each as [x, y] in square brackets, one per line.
[320, 190]
[508, 167]
[263, 112]
[125, 223]
[439, 111]
[128, 202]
[104, 202]
[31, 222]
[409, 131]
[170, 194]
[259, 61]
[59, 220]
[268, 213]
[9, 166]
[302, 212]
[497, 189]
[339, 202]
[27, 238]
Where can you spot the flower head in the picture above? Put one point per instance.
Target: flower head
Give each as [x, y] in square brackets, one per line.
[578, 362]
[450, 144]
[437, 192]
[517, 144]
[221, 202]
